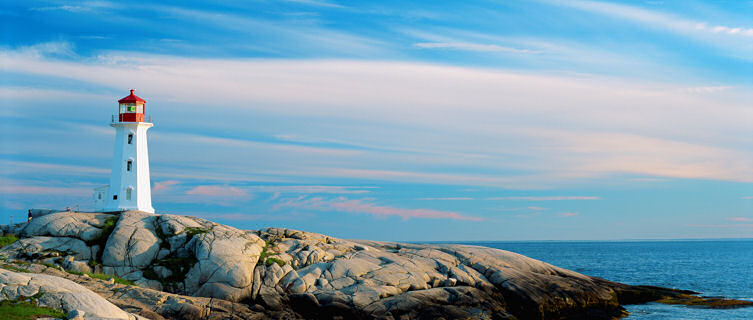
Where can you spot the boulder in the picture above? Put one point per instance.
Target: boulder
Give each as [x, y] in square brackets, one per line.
[58, 293]
[44, 247]
[133, 243]
[77, 266]
[226, 261]
[83, 226]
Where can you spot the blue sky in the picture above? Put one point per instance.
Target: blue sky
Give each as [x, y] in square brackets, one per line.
[394, 120]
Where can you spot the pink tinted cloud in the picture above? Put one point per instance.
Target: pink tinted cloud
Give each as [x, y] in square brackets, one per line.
[342, 204]
[217, 191]
[164, 185]
[739, 219]
[569, 214]
[536, 208]
[550, 198]
[38, 190]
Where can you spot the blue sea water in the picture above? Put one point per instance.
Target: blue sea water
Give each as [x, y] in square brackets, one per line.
[711, 267]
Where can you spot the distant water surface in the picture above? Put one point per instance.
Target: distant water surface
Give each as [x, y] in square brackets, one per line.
[712, 267]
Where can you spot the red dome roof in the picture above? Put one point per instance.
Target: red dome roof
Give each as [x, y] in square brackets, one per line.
[131, 98]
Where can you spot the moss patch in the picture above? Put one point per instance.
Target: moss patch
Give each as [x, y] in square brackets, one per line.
[102, 276]
[12, 268]
[264, 253]
[27, 311]
[50, 265]
[7, 240]
[194, 231]
[272, 260]
[266, 256]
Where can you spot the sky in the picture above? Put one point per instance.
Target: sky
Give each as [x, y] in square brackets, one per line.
[393, 120]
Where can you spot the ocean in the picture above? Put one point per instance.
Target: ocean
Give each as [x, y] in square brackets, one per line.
[711, 267]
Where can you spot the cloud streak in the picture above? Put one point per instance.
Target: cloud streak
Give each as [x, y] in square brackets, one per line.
[568, 214]
[217, 191]
[497, 128]
[546, 198]
[466, 46]
[342, 204]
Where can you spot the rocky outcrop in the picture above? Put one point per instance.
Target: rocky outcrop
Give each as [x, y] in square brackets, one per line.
[57, 293]
[194, 264]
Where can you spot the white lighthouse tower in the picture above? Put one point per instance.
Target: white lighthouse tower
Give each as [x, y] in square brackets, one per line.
[129, 182]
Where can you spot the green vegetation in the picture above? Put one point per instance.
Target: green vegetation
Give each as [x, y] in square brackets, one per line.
[27, 311]
[26, 308]
[265, 257]
[12, 268]
[264, 253]
[272, 260]
[117, 279]
[7, 240]
[194, 231]
[59, 253]
[101, 240]
[75, 272]
[102, 276]
[50, 265]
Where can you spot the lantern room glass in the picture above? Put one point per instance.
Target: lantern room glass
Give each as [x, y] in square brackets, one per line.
[131, 108]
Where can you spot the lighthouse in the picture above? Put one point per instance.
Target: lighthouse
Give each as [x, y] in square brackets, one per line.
[129, 187]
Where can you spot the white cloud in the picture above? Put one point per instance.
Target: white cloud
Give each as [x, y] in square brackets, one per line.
[312, 189]
[364, 206]
[735, 37]
[466, 46]
[412, 121]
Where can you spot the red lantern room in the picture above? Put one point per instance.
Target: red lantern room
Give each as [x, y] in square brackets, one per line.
[131, 108]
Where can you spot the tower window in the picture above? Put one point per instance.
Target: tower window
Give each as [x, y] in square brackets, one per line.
[99, 196]
[115, 197]
[130, 138]
[128, 194]
[129, 164]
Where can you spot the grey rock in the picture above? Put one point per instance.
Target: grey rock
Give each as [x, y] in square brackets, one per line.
[226, 260]
[48, 246]
[58, 293]
[83, 226]
[77, 266]
[133, 243]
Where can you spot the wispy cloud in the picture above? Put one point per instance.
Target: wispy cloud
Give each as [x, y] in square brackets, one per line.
[446, 199]
[748, 197]
[596, 127]
[547, 198]
[739, 219]
[655, 18]
[466, 46]
[342, 204]
[217, 191]
[239, 216]
[42, 190]
[164, 185]
[568, 214]
[312, 189]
